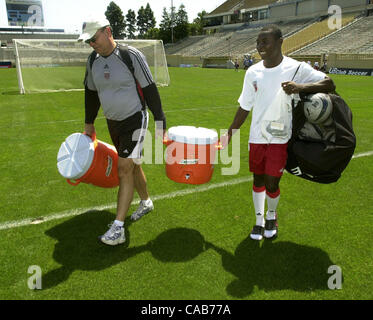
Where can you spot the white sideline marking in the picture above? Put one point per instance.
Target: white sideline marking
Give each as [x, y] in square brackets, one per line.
[79, 211]
[179, 193]
[203, 109]
[363, 154]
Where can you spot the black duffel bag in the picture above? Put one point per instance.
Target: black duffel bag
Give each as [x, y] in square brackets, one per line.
[320, 153]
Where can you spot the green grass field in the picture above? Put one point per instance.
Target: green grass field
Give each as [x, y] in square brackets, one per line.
[192, 246]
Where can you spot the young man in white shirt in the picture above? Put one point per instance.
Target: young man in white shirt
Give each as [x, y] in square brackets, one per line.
[267, 160]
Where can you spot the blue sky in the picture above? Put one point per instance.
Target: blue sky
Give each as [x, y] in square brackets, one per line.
[70, 14]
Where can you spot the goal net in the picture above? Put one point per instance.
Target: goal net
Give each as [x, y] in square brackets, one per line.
[59, 65]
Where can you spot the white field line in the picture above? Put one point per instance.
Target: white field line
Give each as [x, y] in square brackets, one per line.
[79, 211]
[363, 154]
[180, 193]
[202, 109]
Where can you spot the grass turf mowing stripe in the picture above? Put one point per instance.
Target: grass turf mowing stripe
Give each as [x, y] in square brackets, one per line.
[76, 212]
[21, 124]
[180, 193]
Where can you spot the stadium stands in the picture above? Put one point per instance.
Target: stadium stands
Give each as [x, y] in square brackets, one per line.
[234, 43]
[7, 37]
[356, 37]
[178, 47]
[304, 37]
[231, 5]
[6, 40]
[235, 24]
[311, 34]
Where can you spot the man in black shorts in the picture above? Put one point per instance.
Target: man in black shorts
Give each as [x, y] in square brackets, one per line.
[109, 82]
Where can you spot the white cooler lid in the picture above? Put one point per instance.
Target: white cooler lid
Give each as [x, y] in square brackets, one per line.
[75, 156]
[192, 135]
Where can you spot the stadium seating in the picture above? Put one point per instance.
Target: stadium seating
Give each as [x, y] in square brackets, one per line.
[179, 46]
[234, 43]
[356, 37]
[7, 37]
[301, 37]
[203, 46]
[237, 4]
[311, 34]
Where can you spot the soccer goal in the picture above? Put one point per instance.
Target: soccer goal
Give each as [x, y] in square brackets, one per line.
[59, 65]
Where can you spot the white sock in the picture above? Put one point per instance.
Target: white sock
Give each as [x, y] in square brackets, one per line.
[259, 195]
[119, 223]
[271, 215]
[272, 202]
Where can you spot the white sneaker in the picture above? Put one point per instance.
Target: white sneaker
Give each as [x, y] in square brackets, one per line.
[257, 233]
[271, 229]
[145, 207]
[114, 236]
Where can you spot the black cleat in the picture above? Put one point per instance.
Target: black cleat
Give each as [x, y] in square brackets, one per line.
[271, 229]
[257, 233]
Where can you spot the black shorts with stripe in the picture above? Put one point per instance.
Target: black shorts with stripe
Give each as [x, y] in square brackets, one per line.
[128, 135]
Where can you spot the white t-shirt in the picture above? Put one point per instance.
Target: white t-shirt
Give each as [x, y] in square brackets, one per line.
[261, 85]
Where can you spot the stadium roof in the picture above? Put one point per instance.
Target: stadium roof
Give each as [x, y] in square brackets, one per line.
[20, 29]
[232, 5]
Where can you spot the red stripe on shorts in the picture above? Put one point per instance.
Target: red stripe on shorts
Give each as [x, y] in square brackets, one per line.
[273, 195]
[259, 189]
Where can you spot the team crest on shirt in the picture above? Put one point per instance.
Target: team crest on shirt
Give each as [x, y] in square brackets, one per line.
[255, 85]
[106, 72]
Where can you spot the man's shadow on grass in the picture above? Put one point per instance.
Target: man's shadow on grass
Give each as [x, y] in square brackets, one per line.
[277, 265]
[78, 246]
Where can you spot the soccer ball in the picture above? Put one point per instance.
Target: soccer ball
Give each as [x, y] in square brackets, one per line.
[315, 132]
[310, 132]
[317, 108]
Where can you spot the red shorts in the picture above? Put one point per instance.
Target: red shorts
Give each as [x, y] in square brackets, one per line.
[269, 159]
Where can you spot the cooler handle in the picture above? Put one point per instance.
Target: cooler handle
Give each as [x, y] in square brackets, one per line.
[166, 141]
[93, 137]
[219, 145]
[73, 183]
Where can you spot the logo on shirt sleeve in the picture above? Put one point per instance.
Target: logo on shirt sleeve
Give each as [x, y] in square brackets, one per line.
[255, 85]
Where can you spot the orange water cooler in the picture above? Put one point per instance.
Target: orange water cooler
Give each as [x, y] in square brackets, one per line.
[190, 154]
[88, 160]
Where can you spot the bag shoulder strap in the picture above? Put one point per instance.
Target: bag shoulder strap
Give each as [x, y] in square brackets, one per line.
[124, 54]
[92, 58]
[293, 101]
[296, 71]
